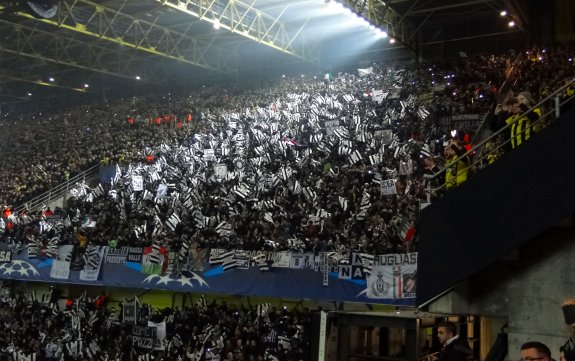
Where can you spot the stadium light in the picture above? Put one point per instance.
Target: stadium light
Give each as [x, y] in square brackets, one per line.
[51, 79]
[503, 13]
[392, 41]
[216, 24]
[86, 85]
[511, 24]
[138, 77]
[29, 94]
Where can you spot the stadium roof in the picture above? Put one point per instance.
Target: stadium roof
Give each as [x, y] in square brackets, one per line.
[93, 46]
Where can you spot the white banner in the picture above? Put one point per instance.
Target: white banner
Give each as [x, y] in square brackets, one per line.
[160, 334]
[388, 187]
[366, 71]
[162, 191]
[281, 259]
[220, 171]
[302, 261]
[137, 183]
[61, 266]
[393, 276]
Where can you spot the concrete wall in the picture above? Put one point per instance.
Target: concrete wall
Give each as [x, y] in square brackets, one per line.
[527, 288]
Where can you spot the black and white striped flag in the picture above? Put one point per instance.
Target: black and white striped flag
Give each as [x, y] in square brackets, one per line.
[91, 257]
[367, 261]
[375, 159]
[263, 261]
[224, 229]
[98, 191]
[155, 256]
[33, 249]
[423, 113]
[355, 157]
[341, 132]
[348, 98]
[184, 251]
[310, 194]
[285, 173]
[140, 231]
[425, 152]
[343, 203]
[229, 262]
[296, 189]
[218, 258]
[263, 309]
[242, 190]
[173, 221]
[343, 150]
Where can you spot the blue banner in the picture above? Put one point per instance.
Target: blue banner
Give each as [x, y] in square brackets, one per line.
[273, 274]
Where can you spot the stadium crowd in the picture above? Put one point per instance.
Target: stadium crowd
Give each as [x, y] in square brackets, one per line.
[49, 329]
[314, 163]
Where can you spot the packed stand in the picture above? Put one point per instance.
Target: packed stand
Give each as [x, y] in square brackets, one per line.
[48, 329]
[315, 163]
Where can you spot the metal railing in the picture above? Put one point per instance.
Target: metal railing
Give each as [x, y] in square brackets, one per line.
[479, 152]
[57, 192]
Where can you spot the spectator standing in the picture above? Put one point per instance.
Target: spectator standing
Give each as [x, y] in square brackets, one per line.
[454, 348]
[458, 169]
[523, 123]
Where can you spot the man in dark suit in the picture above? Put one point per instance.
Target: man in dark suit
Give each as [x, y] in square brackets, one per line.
[454, 348]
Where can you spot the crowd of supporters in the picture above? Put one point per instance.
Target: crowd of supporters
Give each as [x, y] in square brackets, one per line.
[330, 162]
[48, 329]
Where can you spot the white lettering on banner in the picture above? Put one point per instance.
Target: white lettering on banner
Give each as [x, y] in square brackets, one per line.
[117, 255]
[5, 256]
[137, 183]
[61, 266]
[60, 270]
[143, 337]
[302, 261]
[388, 187]
[395, 259]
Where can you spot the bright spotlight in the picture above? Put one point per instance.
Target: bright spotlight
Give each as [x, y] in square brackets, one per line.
[86, 85]
[29, 94]
[216, 24]
[52, 79]
[381, 33]
[511, 24]
[392, 41]
[138, 77]
[503, 13]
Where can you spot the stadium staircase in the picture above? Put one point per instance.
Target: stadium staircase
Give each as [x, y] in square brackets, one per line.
[56, 196]
[502, 206]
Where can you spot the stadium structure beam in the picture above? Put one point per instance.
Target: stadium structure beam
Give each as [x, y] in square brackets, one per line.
[379, 13]
[114, 26]
[5, 79]
[245, 19]
[41, 46]
[425, 11]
